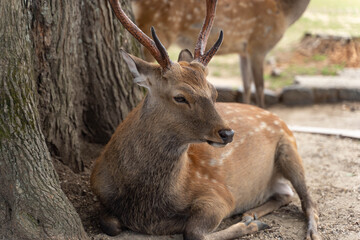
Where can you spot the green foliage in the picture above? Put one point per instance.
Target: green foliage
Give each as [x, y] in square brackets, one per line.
[319, 57]
[332, 70]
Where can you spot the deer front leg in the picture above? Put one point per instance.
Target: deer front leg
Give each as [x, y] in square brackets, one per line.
[275, 202]
[281, 196]
[206, 219]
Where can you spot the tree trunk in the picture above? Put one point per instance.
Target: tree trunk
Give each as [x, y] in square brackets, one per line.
[62, 80]
[32, 204]
[85, 89]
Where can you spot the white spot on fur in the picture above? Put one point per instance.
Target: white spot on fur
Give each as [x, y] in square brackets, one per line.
[250, 118]
[221, 161]
[202, 162]
[156, 15]
[224, 156]
[276, 122]
[188, 16]
[263, 125]
[214, 180]
[212, 162]
[242, 4]
[198, 174]
[206, 177]
[258, 116]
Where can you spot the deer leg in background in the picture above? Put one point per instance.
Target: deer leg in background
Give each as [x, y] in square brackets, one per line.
[246, 78]
[257, 69]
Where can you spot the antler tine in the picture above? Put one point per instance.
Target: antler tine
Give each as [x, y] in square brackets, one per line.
[205, 59]
[205, 30]
[156, 49]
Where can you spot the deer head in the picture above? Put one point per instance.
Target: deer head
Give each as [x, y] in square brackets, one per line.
[178, 92]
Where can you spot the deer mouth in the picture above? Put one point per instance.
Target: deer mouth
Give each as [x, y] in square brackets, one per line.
[216, 144]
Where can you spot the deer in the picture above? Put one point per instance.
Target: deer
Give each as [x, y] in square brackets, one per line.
[180, 162]
[253, 28]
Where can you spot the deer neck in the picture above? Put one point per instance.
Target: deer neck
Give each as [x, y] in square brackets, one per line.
[148, 147]
[293, 9]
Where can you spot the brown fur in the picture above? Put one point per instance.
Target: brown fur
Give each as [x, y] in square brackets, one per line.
[251, 28]
[158, 176]
[160, 173]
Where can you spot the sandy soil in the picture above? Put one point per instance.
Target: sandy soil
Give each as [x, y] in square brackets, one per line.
[332, 167]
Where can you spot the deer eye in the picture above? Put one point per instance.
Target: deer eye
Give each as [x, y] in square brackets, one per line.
[181, 99]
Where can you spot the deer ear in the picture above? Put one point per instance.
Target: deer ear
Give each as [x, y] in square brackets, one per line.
[143, 72]
[186, 56]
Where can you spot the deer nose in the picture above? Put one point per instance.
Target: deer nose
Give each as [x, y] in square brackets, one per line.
[226, 135]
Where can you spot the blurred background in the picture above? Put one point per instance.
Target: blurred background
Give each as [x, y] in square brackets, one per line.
[327, 54]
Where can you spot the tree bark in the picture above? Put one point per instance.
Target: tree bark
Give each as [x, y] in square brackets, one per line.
[32, 204]
[84, 88]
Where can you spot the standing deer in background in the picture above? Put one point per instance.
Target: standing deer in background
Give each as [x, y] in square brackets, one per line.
[174, 164]
[252, 28]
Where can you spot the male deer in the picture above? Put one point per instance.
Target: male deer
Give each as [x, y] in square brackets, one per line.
[174, 164]
[252, 29]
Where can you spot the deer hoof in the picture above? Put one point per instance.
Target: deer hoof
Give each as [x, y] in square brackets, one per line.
[261, 225]
[247, 219]
[313, 235]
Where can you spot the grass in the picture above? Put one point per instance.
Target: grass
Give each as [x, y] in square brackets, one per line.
[331, 17]
[332, 70]
[319, 57]
[287, 77]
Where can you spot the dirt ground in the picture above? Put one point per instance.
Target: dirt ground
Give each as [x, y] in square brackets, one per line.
[332, 167]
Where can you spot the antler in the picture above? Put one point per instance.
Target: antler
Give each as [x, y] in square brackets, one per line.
[204, 35]
[156, 49]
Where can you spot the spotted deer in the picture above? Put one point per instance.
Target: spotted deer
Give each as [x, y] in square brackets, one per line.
[252, 28]
[181, 163]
